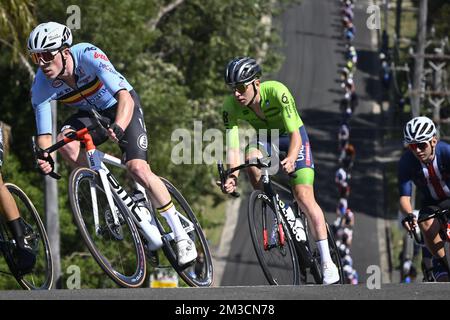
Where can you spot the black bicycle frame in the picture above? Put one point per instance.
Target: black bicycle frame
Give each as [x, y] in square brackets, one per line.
[301, 247]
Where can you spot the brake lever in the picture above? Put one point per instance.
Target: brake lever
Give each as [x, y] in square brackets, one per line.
[222, 175]
[105, 123]
[38, 153]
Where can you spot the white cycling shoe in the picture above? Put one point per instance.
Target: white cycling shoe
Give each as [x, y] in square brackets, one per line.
[330, 273]
[186, 251]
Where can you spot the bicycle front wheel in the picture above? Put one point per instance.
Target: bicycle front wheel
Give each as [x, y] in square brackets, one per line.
[41, 277]
[277, 256]
[200, 272]
[117, 249]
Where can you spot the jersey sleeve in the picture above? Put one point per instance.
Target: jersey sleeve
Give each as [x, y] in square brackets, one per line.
[291, 118]
[42, 107]
[231, 126]
[403, 176]
[98, 62]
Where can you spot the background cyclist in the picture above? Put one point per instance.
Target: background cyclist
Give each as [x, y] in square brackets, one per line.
[270, 105]
[25, 258]
[426, 163]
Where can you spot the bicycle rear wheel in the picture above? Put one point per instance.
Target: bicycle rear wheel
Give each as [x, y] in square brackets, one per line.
[200, 272]
[41, 277]
[278, 260]
[117, 249]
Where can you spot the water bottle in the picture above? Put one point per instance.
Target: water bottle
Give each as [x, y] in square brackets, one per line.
[147, 224]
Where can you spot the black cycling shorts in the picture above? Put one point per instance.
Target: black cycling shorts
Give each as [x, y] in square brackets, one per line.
[427, 211]
[135, 133]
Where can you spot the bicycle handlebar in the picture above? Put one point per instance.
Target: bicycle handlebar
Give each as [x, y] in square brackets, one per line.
[438, 214]
[99, 122]
[260, 163]
[223, 174]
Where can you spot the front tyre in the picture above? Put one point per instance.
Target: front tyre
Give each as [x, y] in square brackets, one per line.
[117, 249]
[276, 253]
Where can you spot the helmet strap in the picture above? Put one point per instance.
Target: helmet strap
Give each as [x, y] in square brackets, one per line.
[254, 95]
[64, 65]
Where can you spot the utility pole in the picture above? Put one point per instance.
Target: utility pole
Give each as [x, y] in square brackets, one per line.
[51, 209]
[419, 57]
[398, 24]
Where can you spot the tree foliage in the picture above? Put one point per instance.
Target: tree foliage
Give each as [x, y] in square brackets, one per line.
[175, 61]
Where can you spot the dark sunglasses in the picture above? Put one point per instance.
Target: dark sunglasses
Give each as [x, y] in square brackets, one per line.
[241, 88]
[46, 56]
[422, 146]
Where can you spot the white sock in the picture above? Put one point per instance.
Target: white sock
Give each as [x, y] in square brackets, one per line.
[324, 251]
[171, 215]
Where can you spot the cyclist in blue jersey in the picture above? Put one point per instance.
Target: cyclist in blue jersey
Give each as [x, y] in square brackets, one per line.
[83, 78]
[426, 163]
[24, 257]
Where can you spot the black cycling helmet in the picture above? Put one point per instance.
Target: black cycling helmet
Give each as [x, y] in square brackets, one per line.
[242, 70]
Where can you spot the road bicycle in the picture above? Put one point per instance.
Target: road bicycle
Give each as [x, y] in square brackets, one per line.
[281, 236]
[41, 277]
[120, 227]
[443, 217]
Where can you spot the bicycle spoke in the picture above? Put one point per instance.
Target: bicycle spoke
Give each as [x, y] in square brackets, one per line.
[277, 255]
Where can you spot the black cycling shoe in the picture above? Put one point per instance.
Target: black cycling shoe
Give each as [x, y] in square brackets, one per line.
[24, 258]
[440, 269]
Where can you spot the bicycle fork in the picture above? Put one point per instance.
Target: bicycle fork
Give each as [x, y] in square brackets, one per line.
[141, 216]
[277, 221]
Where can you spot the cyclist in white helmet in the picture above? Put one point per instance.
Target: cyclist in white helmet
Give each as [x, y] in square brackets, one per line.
[82, 77]
[426, 163]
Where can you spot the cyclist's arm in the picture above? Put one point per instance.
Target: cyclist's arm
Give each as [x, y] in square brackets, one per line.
[291, 120]
[233, 156]
[232, 136]
[405, 205]
[44, 141]
[404, 186]
[294, 145]
[125, 108]
[114, 82]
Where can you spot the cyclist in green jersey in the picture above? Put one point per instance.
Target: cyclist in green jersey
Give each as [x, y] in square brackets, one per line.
[270, 105]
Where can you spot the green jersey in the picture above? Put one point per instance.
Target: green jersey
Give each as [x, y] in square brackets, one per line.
[277, 105]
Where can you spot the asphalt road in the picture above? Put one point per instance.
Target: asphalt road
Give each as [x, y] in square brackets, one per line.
[435, 291]
[314, 47]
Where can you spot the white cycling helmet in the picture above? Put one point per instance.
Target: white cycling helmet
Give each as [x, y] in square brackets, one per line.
[419, 129]
[49, 36]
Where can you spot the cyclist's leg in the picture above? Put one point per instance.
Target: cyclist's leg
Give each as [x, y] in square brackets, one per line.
[254, 174]
[430, 230]
[25, 258]
[303, 188]
[8, 206]
[72, 152]
[135, 158]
